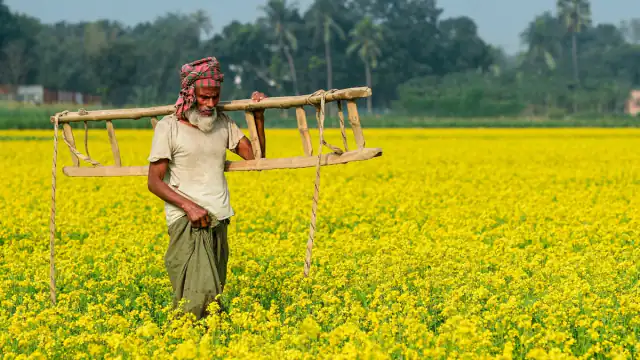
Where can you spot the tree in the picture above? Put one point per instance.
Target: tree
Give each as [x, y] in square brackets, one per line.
[543, 39]
[16, 61]
[367, 37]
[279, 18]
[631, 30]
[462, 46]
[323, 12]
[576, 15]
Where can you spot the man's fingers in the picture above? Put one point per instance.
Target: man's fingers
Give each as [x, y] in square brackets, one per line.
[257, 96]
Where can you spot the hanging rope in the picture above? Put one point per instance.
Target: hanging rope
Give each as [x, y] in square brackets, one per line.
[52, 218]
[86, 138]
[320, 118]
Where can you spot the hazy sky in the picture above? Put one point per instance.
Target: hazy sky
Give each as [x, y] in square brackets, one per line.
[499, 21]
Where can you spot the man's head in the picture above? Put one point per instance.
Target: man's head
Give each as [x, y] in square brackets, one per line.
[203, 111]
[207, 97]
[201, 83]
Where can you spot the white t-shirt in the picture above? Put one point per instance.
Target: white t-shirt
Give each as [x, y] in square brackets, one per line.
[196, 163]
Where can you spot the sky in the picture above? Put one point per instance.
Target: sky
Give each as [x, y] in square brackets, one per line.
[499, 21]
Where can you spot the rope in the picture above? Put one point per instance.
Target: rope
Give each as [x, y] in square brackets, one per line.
[86, 138]
[342, 130]
[78, 153]
[52, 218]
[312, 227]
[73, 148]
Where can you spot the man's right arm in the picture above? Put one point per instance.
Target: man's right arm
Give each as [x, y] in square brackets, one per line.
[198, 216]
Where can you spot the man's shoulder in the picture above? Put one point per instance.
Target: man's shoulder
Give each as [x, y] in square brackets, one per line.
[169, 118]
[167, 122]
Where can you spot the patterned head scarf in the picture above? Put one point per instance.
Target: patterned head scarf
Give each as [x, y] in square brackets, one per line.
[200, 73]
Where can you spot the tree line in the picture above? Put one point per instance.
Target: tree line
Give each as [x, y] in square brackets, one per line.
[416, 61]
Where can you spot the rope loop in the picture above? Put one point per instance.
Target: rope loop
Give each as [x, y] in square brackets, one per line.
[73, 149]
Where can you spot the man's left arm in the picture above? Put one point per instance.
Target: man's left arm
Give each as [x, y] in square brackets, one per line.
[245, 148]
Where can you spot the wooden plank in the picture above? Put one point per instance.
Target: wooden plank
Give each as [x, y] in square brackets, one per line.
[301, 116]
[114, 143]
[68, 134]
[354, 120]
[253, 134]
[154, 122]
[245, 165]
[278, 102]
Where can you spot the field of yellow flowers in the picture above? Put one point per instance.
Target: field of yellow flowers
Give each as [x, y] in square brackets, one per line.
[454, 244]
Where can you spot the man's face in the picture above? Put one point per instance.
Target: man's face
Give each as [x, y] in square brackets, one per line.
[207, 98]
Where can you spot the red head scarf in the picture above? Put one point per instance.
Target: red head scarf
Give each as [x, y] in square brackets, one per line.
[200, 73]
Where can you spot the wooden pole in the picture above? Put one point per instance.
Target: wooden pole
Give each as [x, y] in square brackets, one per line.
[354, 120]
[114, 143]
[301, 116]
[68, 134]
[253, 134]
[278, 102]
[154, 122]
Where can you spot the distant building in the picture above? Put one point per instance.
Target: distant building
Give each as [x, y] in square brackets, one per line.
[38, 94]
[7, 92]
[30, 93]
[633, 104]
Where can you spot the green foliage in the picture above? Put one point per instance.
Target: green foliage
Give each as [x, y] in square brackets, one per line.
[417, 62]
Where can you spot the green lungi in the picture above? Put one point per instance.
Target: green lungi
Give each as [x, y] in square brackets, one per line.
[196, 261]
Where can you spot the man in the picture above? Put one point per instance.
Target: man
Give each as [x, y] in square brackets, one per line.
[186, 170]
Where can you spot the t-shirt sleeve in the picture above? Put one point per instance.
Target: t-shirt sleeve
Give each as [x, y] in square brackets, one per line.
[161, 145]
[235, 134]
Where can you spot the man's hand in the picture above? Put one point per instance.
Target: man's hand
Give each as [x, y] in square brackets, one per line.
[257, 97]
[198, 216]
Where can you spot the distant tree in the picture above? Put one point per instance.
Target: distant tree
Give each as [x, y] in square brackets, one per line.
[366, 40]
[16, 62]
[325, 26]
[279, 19]
[543, 38]
[631, 30]
[576, 15]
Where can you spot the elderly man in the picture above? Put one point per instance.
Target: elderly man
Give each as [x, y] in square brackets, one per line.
[186, 170]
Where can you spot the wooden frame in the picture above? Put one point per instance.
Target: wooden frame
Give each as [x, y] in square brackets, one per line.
[247, 106]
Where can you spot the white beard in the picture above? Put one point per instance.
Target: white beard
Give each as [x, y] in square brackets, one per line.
[204, 123]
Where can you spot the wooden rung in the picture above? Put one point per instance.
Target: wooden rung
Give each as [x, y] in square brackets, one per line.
[253, 134]
[154, 122]
[244, 165]
[354, 120]
[68, 134]
[114, 143]
[301, 116]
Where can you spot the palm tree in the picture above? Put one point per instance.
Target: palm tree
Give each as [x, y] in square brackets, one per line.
[278, 18]
[543, 39]
[367, 37]
[325, 26]
[575, 14]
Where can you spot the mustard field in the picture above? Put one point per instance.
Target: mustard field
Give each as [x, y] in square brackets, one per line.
[501, 244]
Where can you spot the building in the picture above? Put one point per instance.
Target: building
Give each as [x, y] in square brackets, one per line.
[633, 104]
[38, 94]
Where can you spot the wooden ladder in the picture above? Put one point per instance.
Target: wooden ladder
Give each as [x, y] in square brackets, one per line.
[350, 95]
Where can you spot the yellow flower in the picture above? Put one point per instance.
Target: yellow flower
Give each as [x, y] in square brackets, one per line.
[453, 244]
